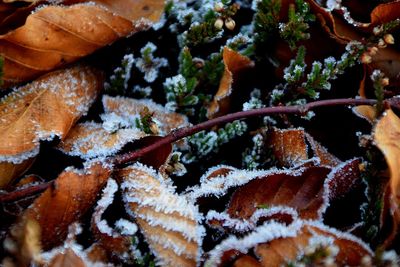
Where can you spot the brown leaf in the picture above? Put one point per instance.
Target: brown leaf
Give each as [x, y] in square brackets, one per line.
[304, 191]
[72, 194]
[234, 63]
[290, 148]
[67, 259]
[44, 109]
[53, 36]
[169, 222]
[90, 140]
[276, 244]
[129, 107]
[9, 171]
[108, 238]
[386, 137]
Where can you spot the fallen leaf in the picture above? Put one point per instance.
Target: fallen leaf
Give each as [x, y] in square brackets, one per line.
[9, 171]
[129, 107]
[108, 238]
[169, 222]
[73, 193]
[67, 258]
[90, 140]
[386, 137]
[276, 244]
[290, 148]
[44, 109]
[234, 63]
[54, 36]
[303, 191]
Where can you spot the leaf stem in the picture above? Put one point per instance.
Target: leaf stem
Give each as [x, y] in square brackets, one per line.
[187, 131]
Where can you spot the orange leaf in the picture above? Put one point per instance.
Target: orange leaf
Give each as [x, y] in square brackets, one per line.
[67, 258]
[169, 222]
[234, 63]
[386, 137]
[277, 244]
[44, 109]
[56, 35]
[72, 194]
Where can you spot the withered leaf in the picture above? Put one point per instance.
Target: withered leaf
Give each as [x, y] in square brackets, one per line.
[386, 137]
[90, 140]
[277, 244]
[53, 36]
[73, 193]
[234, 64]
[169, 222]
[44, 109]
[290, 148]
[66, 259]
[108, 238]
[129, 107]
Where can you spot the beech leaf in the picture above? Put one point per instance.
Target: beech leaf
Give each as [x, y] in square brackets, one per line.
[73, 193]
[234, 63]
[169, 222]
[53, 36]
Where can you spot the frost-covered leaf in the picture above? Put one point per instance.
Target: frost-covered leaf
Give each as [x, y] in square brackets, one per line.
[114, 242]
[234, 63]
[290, 148]
[67, 258]
[303, 191]
[90, 140]
[53, 36]
[386, 137]
[275, 244]
[129, 107]
[44, 109]
[169, 222]
[73, 193]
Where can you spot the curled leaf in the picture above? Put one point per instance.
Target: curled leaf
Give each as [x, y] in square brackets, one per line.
[169, 222]
[276, 244]
[90, 140]
[53, 36]
[73, 193]
[234, 63]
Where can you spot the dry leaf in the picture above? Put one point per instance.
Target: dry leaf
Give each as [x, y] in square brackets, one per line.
[386, 137]
[90, 140]
[108, 238]
[72, 194]
[276, 244]
[67, 259]
[290, 148]
[56, 35]
[9, 171]
[44, 109]
[234, 63]
[129, 107]
[303, 192]
[169, 222]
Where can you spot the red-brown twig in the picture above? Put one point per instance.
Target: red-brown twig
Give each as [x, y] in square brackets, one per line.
[187, 131]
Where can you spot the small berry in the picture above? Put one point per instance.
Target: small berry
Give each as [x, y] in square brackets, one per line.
[366, 58]
[219, 7]
[388, 38]
[385, 81]
[230, 24]
[219, 23]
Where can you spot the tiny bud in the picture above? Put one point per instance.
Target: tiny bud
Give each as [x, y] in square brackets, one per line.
[198, 62]
[219, 23]
[381, 43]
[230, 24]
[366, 58]
[219, 7]
[388, 38]
[154, 128]
[372, 50]
[377, 30]
[385, 81]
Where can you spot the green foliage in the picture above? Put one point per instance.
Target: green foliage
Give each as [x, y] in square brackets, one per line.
[118, 82]
[266, 20]
[203, 32]
[145, 123]
[204, 143]
[378, 79]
